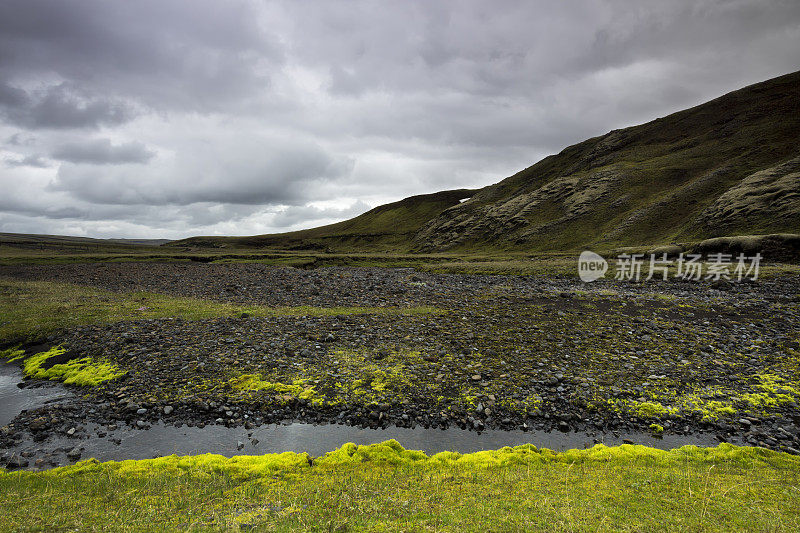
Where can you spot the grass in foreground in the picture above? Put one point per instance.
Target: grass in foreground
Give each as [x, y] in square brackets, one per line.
[33, 309]
[386, 488]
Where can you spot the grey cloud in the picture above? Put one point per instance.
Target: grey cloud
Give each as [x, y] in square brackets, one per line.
[18, 139]
[58, 107]
[255, 171]
[57, 206]
[102, 152]
[183, 54]
[294, 215]
[35, 161]
[12, 97]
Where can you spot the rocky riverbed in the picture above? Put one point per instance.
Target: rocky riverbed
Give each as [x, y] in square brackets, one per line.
[491, 353]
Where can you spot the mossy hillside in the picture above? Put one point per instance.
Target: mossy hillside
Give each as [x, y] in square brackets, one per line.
[385, 487]
[34, 309]
[724, 168]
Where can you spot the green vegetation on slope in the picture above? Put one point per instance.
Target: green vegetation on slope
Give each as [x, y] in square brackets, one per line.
[31, 310]
[704, 172]
[383, 487]
[386, 227]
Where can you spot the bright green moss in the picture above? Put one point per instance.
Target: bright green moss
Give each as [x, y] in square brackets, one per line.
[12, 354]
[380, 381]
[373, 381]
[666, 402]
[299, 388]
[469, 401]
[392, 452]
[389, 451]
[242, 467]
[656, 429]
[715, 409]
[83, 372]
[773, 392]
[651, 410]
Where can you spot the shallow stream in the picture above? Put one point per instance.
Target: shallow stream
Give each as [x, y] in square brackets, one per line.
[159, 440]
[14, 400]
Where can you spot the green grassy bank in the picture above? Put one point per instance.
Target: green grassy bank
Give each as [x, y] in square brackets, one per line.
[386, 488]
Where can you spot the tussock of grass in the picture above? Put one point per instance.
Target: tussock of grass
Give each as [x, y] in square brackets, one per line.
[385, 487]
[32, 309]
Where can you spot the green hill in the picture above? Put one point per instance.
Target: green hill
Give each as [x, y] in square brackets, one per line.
[728, 167]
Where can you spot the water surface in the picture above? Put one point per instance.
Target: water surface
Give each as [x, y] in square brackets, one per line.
[316, 440]
[160, 439]
[14, 400]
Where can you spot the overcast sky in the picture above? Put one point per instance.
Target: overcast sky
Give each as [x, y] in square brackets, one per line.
[167, 119]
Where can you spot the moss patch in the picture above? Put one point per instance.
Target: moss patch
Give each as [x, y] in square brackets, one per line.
[12, 354]
[83, 372]
[299, 388]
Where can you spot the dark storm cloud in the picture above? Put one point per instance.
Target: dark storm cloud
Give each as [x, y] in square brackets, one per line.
[190, 54]
[171, 118]
[102, 152]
